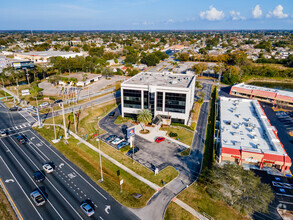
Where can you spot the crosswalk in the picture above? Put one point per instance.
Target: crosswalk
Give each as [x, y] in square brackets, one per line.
[21, 126]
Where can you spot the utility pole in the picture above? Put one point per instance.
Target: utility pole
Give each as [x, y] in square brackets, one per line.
[38, 113]
[102, 179]
[54, 123]
[64, 122]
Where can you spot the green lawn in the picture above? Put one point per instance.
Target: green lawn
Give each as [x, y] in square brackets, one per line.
[197, 198]
[184, 135]
[175, 212]
[121, 120]
[6, 211]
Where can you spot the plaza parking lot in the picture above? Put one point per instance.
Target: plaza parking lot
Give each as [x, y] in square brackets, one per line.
[150, 154]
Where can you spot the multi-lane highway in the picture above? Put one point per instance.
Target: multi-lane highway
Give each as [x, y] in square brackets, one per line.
[64, 189]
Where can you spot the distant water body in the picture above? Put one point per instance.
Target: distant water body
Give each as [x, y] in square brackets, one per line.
[274, 85]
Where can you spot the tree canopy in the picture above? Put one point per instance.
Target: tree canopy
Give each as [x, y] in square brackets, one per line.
[240, 188]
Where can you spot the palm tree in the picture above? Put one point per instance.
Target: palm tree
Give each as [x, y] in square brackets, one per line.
[145, 117]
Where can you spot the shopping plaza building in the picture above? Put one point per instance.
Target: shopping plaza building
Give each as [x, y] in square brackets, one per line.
[164, 94]
[274, 96]
[245, 136]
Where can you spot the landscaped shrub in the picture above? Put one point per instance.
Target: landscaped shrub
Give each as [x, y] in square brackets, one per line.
[172, 134]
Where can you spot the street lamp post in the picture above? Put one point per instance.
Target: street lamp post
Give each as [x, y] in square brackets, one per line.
[64, 122]
[102, 179]
[54, 123]
[4, 90]
[38, 113]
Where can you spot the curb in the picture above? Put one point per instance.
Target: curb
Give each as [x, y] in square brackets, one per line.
[15, 209]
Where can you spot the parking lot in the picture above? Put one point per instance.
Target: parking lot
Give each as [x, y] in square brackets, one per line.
[150, 154]
[284, 124]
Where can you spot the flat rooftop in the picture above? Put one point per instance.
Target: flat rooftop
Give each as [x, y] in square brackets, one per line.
[49, 53]
[252, 87]
[160, 79]
[245, 126]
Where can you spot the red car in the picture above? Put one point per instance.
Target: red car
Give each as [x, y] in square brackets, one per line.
[159, 139]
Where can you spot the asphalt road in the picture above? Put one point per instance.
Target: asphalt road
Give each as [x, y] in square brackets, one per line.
[76, 108]
[64, 189]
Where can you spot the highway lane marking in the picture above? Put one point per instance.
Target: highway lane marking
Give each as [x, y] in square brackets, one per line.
[26, 118]
[70, 166]
[9, 180]
[47, 181]
[20, 187]
[34, 149]
[31, 178]
[10, 199]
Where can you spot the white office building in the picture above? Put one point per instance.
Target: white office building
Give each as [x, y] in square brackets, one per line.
[164, 94]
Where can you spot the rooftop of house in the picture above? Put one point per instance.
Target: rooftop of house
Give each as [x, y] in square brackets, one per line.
[244, 125]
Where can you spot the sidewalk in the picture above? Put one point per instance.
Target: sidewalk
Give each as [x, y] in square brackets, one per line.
[149, 183]
[154, 133]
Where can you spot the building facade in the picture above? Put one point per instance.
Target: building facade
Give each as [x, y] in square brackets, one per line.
[274, 96]
[170, 95]
[246, 137]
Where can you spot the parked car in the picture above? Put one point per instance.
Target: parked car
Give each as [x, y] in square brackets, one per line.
[37, 198]
[48, 168]
[135, 150]
[159, 139]
[123, 144]
[44, 104]
[117, 140]
[112, 114]
[39, 176]
[111, 137]
[58, 101]
[3, 133]
[87, 208]
[21, 139]
[15, 108]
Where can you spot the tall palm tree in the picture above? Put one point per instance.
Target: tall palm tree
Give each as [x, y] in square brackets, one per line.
[145, 117]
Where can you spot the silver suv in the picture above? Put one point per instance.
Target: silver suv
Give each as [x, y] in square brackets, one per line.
[37, 197]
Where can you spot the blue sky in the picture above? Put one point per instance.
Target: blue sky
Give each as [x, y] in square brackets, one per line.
[145, 14]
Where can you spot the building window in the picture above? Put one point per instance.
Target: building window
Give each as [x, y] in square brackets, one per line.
[175, 102]
[145, 99]
[159, 101]
[132, 98]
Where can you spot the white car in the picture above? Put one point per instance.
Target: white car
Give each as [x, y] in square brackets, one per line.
[44, 104]
[3, 133]
[117, 140]
[37, 197]
[48, 168]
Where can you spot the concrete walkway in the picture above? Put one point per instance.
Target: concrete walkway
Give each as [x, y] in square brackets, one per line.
[167, 189]
[154, 133]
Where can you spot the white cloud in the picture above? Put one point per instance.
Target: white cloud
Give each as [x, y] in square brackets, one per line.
[277, 12]
[257, 12]
[212, 15]
[236, 16]
[170, 21]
